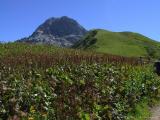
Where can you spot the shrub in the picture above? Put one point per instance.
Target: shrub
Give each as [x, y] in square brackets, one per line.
[70, 91]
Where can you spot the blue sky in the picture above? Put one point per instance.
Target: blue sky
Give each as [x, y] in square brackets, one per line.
[19, 18]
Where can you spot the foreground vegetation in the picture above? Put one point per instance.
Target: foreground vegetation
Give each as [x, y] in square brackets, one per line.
[72, 85]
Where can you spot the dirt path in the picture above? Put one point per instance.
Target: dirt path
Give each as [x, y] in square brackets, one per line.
[155, 113]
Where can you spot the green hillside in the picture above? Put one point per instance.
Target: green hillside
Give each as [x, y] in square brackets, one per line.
[22, 48]
[119, 43]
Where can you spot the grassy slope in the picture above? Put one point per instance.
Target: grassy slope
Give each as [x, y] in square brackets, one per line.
[20, 48]
[122, 43]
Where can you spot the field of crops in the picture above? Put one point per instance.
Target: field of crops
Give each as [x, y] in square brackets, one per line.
[71, 85]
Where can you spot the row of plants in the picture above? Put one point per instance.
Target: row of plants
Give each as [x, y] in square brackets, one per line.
[21, 54]
[69, 91]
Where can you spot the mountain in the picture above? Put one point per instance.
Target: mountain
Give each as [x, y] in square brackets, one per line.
[119, 43]
[62, 31]
[67, 32]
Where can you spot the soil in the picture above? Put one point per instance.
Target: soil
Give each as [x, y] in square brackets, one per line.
[155, 113]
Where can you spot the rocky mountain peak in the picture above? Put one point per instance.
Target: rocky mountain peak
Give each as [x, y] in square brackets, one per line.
[62, 31]
[60, 27]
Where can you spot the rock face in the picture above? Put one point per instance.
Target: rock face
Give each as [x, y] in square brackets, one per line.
[62, 32]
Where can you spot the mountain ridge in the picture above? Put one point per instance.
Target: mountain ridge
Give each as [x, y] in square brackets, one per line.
[119, 43]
